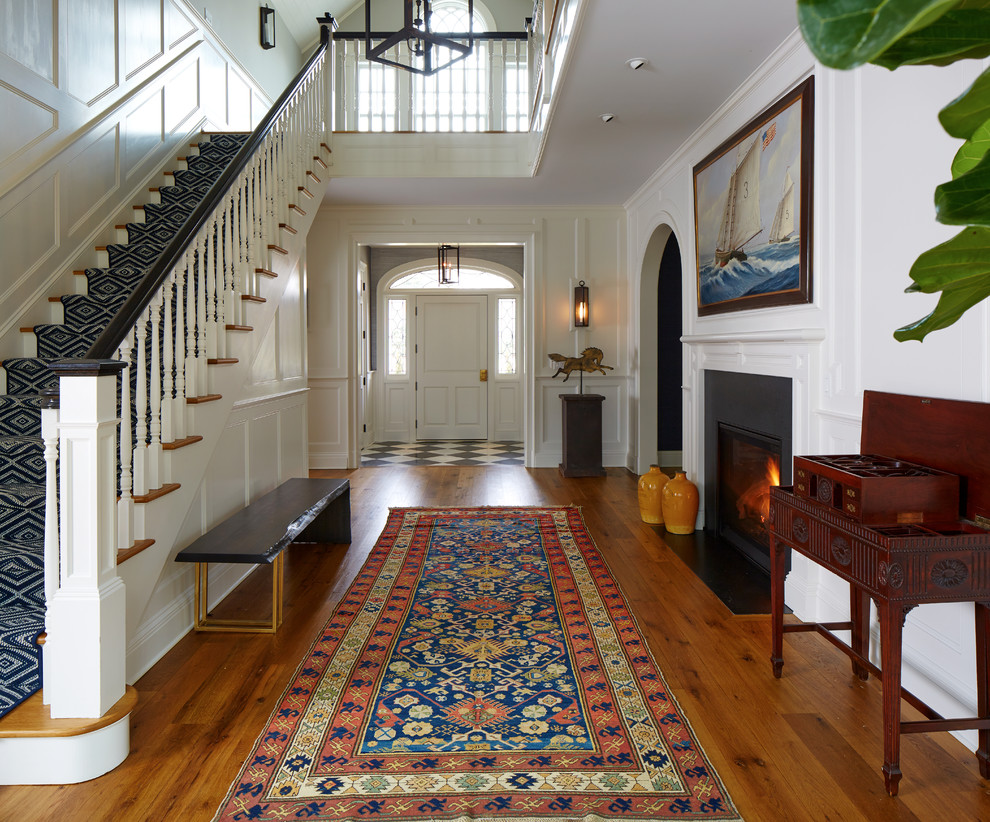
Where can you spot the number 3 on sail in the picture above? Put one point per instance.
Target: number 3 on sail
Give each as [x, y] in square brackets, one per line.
[741, 217]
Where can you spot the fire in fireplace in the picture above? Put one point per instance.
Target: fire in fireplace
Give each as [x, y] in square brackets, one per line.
[749, 464]
[747, 449]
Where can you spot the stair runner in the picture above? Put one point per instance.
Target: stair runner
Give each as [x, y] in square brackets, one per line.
[22, 464]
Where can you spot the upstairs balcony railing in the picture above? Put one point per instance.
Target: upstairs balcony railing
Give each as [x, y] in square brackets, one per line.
[487, 91]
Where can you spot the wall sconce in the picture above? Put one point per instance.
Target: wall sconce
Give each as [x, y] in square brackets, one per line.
[448, 264]
[267, 27]
[582, 307]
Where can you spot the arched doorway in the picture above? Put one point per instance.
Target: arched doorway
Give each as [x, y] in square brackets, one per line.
[660, 426]
[424, 332]
[670, 431]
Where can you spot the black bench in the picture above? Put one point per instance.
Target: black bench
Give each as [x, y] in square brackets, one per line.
[299, 510]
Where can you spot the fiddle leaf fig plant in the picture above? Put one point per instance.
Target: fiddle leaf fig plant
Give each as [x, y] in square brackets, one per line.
[844, 34]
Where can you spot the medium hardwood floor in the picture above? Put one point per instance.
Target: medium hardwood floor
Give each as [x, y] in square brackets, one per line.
[805, 747]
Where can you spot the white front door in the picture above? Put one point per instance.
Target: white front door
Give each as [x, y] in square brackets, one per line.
[451, 353]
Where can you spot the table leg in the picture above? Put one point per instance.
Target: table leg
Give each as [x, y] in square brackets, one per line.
[891, 623]
[859, 614]
[778, 568]
[982, 675]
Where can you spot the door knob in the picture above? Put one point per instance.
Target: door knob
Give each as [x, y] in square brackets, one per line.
[484, 375]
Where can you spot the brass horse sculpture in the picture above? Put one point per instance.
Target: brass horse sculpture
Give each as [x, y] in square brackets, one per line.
[590, 361]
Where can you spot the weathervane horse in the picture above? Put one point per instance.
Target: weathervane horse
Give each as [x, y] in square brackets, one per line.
[590, 361]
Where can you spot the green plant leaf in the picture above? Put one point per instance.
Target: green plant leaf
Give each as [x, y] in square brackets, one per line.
[960, 269]
[957, 35]
[972, 151]
[848, 33]
[970, 110]
[951, 306]
[966, 199]
[956, 263]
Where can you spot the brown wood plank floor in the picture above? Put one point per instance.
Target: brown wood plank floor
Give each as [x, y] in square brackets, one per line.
[806, 747]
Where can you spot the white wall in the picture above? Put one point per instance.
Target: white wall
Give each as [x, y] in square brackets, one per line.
[97, 96]
[238, 24]
[878, 159]
[562, 246]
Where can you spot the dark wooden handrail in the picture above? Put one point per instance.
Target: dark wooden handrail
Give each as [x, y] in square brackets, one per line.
[456, 35]
[120, 326]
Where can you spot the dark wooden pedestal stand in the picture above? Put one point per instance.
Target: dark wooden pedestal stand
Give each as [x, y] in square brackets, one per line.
[582, 454]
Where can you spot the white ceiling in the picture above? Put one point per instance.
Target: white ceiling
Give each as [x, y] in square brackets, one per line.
[699, 52]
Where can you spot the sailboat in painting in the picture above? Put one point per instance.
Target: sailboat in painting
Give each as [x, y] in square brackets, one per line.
[741, 216]
[782, 228]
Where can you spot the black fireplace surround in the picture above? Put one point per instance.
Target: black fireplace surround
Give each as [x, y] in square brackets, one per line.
[751, 403]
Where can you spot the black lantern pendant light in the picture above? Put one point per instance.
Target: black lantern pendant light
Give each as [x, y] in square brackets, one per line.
[448, 264]
[428, 52]
[582, 307]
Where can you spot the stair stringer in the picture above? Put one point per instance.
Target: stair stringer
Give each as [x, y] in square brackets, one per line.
[164, 517]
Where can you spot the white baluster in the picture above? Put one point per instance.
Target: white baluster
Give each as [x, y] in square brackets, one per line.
[241, 255]
[225, 252]
[168, 363]
[125, 503]
[199, 358]
[210, 290]
[155, 395]
[191, 381]
[141, 407]
[179, 400]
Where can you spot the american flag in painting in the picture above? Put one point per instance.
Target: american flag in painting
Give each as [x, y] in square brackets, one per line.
[769, 134]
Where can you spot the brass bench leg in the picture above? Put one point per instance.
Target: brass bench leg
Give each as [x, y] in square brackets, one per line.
[204, 622]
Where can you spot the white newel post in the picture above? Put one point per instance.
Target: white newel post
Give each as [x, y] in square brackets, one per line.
[86, 626]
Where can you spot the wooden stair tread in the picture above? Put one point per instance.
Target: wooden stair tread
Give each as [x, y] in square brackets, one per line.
[138, 546]
[277, 249]
[266, 271]
[296, 208]
[181, 443]
[230, 327]
[222, 360]
[250, 298]
[32, 718]
[287, 227]
[204, 398]
[156, 493]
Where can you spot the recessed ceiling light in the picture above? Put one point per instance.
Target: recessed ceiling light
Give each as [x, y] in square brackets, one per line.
[607, 118]
[636, 63]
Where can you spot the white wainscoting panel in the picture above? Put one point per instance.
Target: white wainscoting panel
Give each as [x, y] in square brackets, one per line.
[328, 412]
[263, 460]
[507, 410]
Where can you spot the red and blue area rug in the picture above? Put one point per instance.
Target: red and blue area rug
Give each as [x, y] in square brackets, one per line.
[483, 666]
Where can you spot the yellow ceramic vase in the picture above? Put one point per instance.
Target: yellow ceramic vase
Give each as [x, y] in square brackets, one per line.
[680, 504]
[651, 486]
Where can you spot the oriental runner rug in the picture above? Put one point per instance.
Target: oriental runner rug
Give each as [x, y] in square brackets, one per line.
[483, 666]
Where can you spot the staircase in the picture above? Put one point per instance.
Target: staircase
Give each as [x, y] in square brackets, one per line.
[22, 463]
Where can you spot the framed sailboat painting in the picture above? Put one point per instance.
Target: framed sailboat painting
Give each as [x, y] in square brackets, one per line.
[752, 211]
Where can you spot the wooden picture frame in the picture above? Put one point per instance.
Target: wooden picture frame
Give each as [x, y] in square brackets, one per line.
[753, 211]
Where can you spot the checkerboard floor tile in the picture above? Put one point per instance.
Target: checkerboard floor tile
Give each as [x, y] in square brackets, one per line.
[443, 452]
